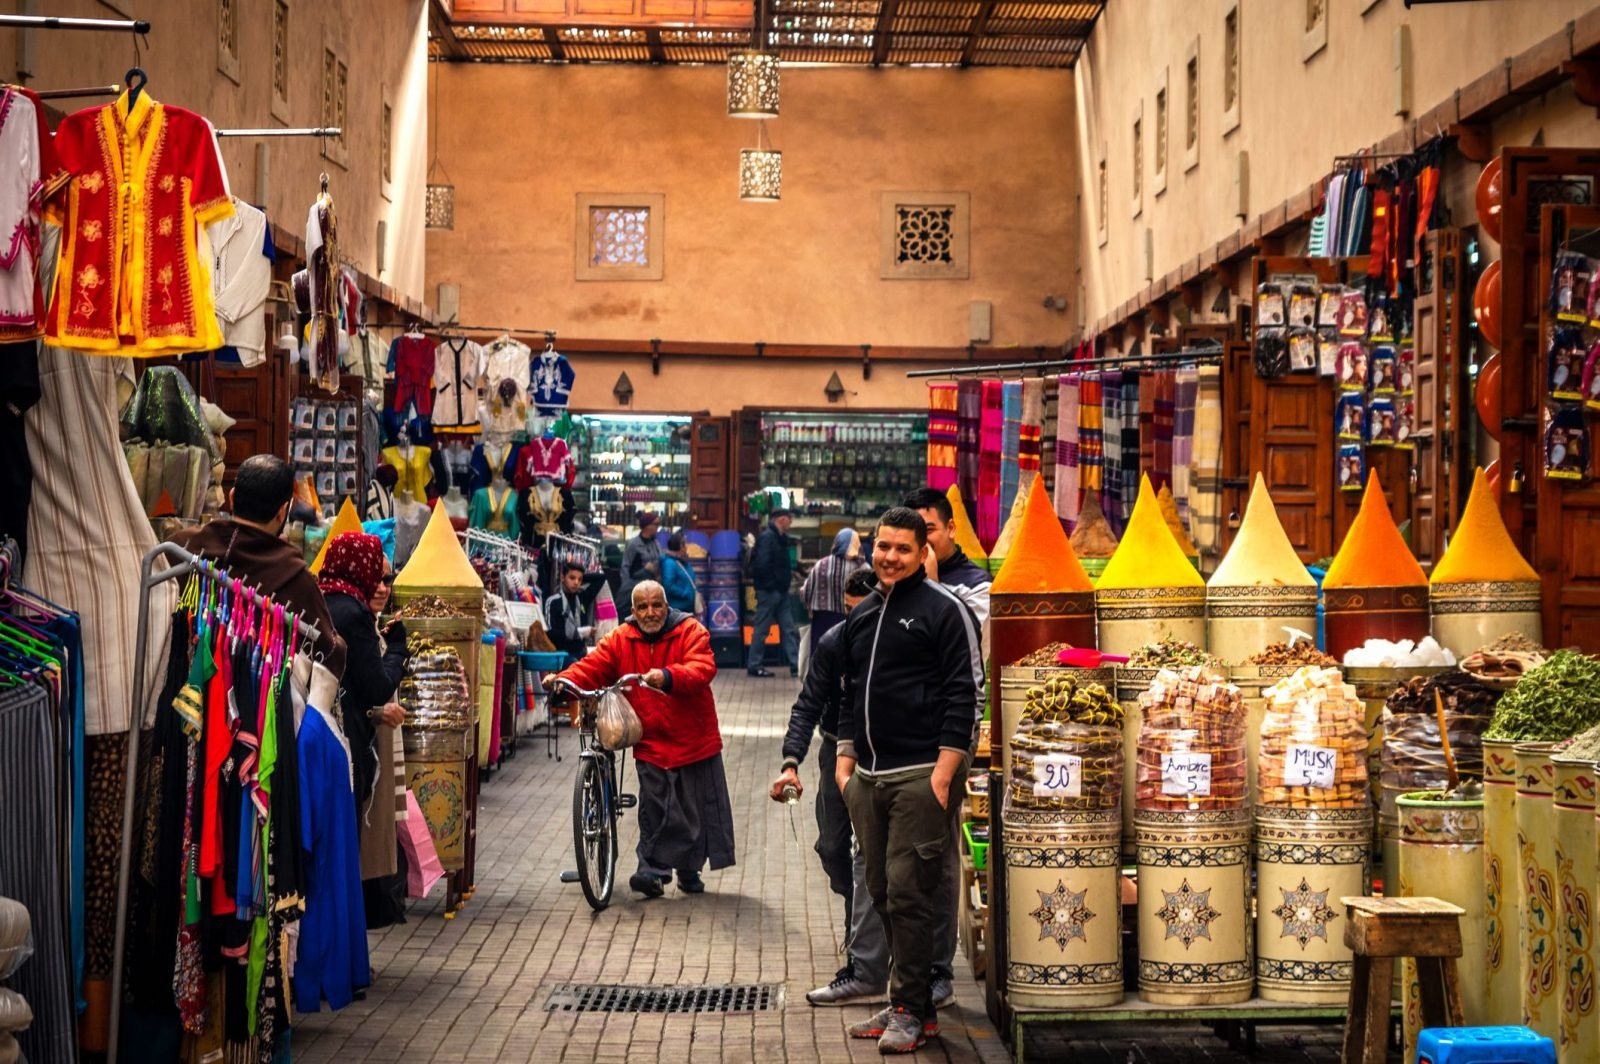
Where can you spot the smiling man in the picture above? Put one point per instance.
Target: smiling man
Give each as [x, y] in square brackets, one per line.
[913, 668]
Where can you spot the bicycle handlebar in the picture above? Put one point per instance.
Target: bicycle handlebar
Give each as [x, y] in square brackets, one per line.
[622, 683]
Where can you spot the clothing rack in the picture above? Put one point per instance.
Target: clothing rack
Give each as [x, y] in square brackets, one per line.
[306, 131]
[53, 22]
[73, 94]
[180, 563]
[493, 544]
[1189, 354]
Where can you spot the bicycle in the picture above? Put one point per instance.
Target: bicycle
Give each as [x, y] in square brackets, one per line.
[597, 798]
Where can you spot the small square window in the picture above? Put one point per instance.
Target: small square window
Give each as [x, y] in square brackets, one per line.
[1231, 62]
[619, 238]
[1191, 106]
[228, 39]
[1316, 35]
[335, 86]
[1137, 159]
[1158, 176]
[925, 236]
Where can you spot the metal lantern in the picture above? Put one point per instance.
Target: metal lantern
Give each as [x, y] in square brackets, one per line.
[440, 207]
[752, 84]
[760, 175]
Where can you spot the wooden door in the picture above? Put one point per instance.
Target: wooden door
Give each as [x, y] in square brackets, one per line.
[710, 473]
[1567, 552]
[748, 468]
[1436, 498]
[1291, 426]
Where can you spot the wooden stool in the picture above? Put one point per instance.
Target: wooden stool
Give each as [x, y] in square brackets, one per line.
[1380, 930]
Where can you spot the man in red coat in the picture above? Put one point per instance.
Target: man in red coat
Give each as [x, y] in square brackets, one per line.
[685, 817]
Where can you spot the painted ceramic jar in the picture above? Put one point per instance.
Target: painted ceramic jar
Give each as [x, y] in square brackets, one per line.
[1195, 926]
[1573, 802]
[1243, 621]
[1538, 941]
[1131, 617]
[1502, 886]
[1306, 860]
[1353, 615]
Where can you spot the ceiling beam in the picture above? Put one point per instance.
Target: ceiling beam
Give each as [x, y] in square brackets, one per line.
[439, 28]
[980, 24]
[881, 36]
[652, 38]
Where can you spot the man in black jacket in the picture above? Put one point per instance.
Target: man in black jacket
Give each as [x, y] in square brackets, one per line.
[865, 975]
[770, 571]
[913, 668]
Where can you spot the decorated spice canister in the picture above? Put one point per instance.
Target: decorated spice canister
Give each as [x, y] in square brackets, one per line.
[1374, 589]
[1015, 682]
[1502, 886]
[1573, 802]
[1260, 587]
[1483, 588]
[1064, 920]
[1538, 941]
[438, 742]
[1306, 860]
[1195, 925]
[1441, 856]
[1149, 590]
[1132, 681]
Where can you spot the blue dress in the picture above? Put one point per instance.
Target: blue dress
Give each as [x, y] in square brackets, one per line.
[332, 962]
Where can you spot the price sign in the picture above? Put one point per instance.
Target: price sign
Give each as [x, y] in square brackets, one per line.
[1309, 766]
[1058, 776]
[1186, 775]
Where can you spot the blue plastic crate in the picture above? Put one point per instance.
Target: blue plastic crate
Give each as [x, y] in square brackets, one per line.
[542, 661]
[1483, 1045]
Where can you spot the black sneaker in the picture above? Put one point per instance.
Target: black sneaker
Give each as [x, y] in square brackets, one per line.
[758, 672]
[649, 886]
[691, 883]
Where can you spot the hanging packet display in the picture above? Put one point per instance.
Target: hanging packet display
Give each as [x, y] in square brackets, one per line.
[1405, 423]
[1271, 352]
[1564, 360]
[1408, 370]
[1351, 366]
[1352, 467]
[1327, 352]
[1591, 378]
[1566, 444]
[1302, 351]
[1270, 308]
[1353, 314]
[1570, 281]
[1380, 321]
[1302, 306]
[1381, 426]
[1328, 306]
[1350, 416]
[1383, 370]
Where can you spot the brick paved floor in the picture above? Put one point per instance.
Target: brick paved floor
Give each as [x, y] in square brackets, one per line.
[474, 988]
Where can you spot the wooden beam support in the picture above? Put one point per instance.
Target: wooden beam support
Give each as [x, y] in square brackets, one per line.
[883, 35]
[1539, 68]
[440, 29]
[652, 40]
[975, 32]
[1585, 74]
[1474, 140]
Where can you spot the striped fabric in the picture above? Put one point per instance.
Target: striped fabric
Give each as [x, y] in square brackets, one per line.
[969, 413]
[1030, 444]
[1112, 437]
[1066, 497]
[1091, 435]
[1205, 494]
[942, 435]
[1010, 445]
[1187, 383]
[1130, 445]
[1165, 386]
[991, 439]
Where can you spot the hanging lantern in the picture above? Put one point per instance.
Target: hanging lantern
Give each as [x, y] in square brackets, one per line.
[440, 206]
[752, 84]
[760, 175]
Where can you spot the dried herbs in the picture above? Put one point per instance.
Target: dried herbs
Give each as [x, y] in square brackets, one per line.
[429, 606]
[1046, 657]
[1168, 653]
[1300, 652]
[1555, 701]
[1413, 756]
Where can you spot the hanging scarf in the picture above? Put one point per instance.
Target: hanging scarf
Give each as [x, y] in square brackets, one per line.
[1066, 494]
[1206, 475]
[1091, 435]
[1165, 386]
[1031, 436]
[1188, 383]
[353, 566]
[969, 415]
[943, 434]
[991, 433]
[1010, 445]
[1112, 417]
[1133, 420]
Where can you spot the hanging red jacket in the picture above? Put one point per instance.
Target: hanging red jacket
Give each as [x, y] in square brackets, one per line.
[680, 722]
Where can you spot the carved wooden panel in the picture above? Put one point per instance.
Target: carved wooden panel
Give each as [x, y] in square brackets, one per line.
[1437, 500]
[1293, 452]
[710, 472]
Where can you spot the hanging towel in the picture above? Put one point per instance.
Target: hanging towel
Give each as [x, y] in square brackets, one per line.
[1205, 505]
[1010, 443]
[1111, 417]
[1188, 381]
[969, 413]
[991, 438]
[1091, 436]
[1165, 386]
[1029, 453]
[942, 435]
[1066, 496]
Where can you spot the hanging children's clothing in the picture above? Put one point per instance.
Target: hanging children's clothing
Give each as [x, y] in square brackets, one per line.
[31, 177]
[130, 279]
[241, 275]
[495, 511]
[414, 469]
[545, 457]
[457, 372]
[544, 508]
[412, 359]
[490, 458]
[552, 382]
[505, 387]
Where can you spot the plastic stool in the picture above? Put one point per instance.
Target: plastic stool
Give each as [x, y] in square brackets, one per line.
[1483, 1045]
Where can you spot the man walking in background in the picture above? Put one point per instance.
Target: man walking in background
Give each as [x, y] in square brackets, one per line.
[641, 558]
[771, 569]
[913, 668]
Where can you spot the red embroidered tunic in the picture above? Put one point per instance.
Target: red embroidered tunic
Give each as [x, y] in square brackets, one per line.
[130, 280]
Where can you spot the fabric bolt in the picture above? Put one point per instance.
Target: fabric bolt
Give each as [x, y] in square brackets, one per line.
[1010, 444]
[943, 434]
[1030, 433]
[1066, 488]
[241, 277]
[1186, 383]
[1112, 438]
[413, 360]
[1205, 505]
[991, 443]
[1091, 435]
[457, 375]
[1164, 386]
[131, 280]
[969, 416]
[30, 756]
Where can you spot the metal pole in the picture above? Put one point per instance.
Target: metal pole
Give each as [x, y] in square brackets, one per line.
[52, 22]
[72, 94]
[307, 131]
[1193, 354]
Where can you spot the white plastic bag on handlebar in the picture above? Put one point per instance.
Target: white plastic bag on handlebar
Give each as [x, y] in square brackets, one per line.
[617, 725]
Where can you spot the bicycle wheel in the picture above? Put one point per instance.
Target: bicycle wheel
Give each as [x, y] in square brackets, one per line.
[594, 833]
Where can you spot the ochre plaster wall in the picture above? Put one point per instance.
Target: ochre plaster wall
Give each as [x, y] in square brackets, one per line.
[521, 142]
[384, 44]
[1296, 113]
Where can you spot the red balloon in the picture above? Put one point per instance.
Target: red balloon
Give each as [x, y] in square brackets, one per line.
[1486, 304]
[1487, 197]
[1486, 395]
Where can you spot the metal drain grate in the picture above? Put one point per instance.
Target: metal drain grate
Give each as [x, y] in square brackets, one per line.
[619, 997]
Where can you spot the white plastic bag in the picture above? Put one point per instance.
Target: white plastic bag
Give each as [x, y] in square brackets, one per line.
[617, 725]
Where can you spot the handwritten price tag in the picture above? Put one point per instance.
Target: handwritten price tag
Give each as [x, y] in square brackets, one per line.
[1186, 775]
[1058, 776]
[1309, 766]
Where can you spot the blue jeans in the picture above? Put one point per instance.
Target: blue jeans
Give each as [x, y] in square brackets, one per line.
[773, 606]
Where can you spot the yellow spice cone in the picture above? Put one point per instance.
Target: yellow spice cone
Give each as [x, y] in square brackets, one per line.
[1261, 554]
[1482, 550]
[1169, 513]
[966, 536]
[1374, 553]
[346, 520]
[1041, 558]
[438, 560]
[1148, 555]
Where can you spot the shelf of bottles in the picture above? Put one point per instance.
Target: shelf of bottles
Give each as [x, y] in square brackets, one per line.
[633, 465]
[844, 465]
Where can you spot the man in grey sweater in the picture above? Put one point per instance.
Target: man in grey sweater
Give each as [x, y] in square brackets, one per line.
[641, 558]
